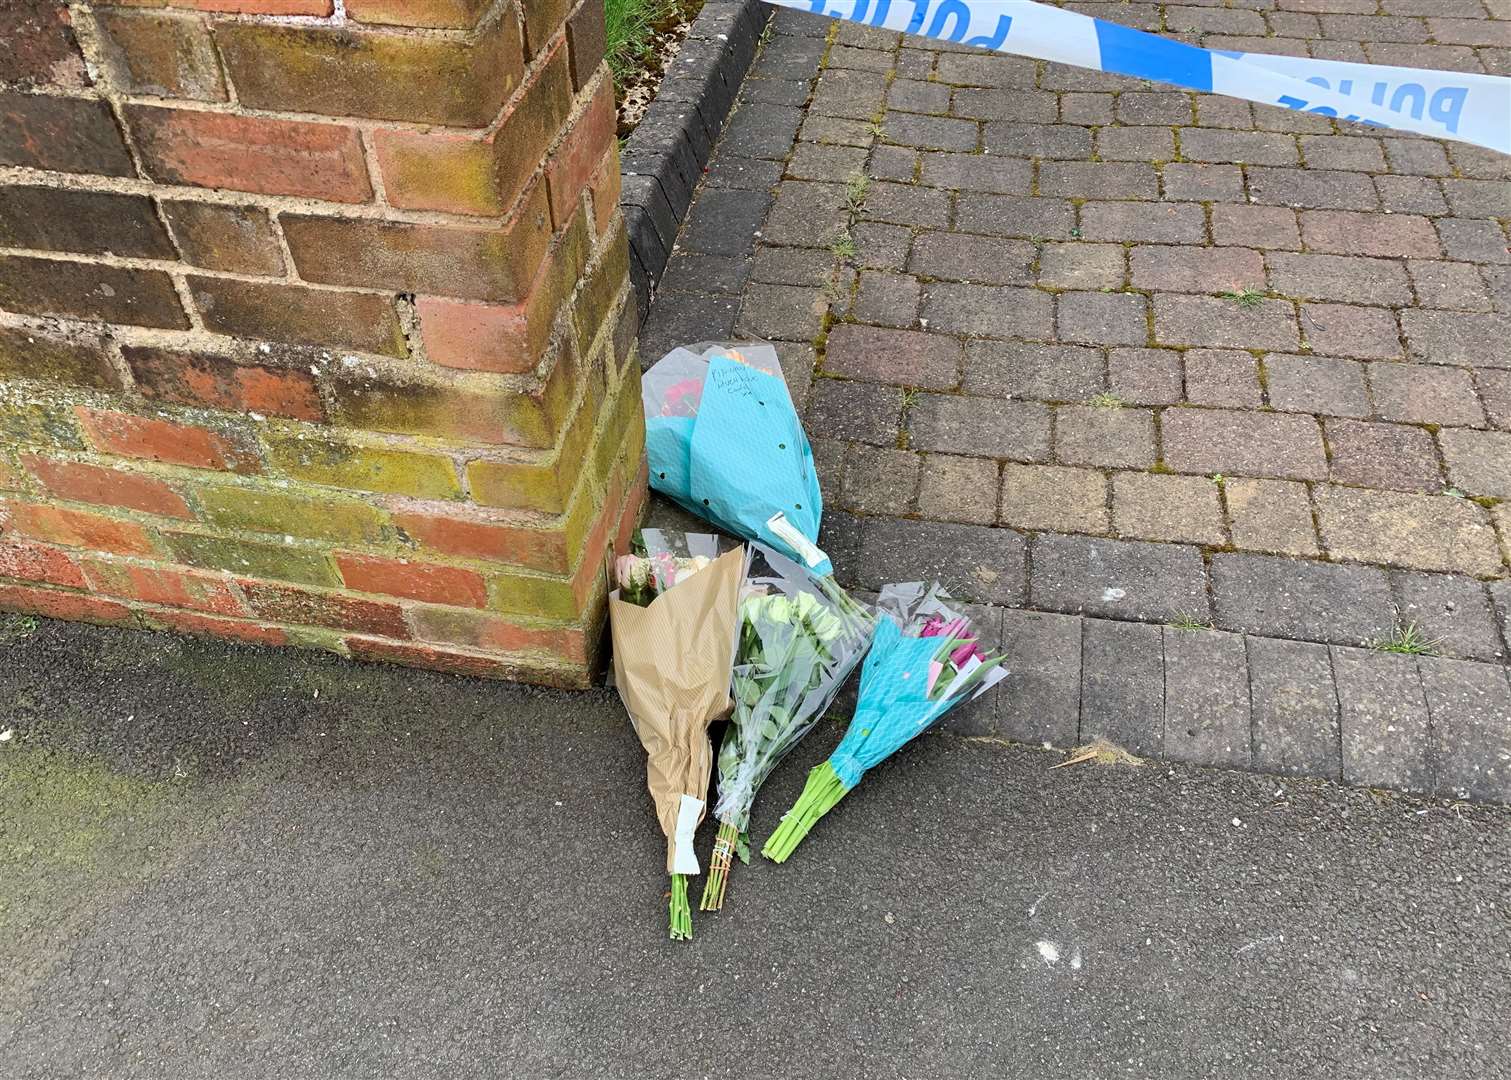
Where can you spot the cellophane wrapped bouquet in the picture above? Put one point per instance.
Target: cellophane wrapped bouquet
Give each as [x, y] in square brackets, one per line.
[799, 638]
[925, 659]
[672, 616]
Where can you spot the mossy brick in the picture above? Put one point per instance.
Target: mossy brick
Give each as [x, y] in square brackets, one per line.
[526, 594]
[39, 423]
[54, 604]
[76, 528]
[573, 162]
[587, 40]
[543, 19]
[12, 476]
[432, 583]
[165, 55]
[317, 8]
[259, 508]
[74, 135]
[494, 263]
[78, 360]
[280, 562]
[463, 175]
[365, 468]
[189, 622]
[366, 322]
[606, 187]
[624, 429]
[338, 71]
[156, 439]
[78, 481]
[237, 239]
[496, 634]
[438, 14]
[87, 222]
[250, 153]
[90, 291]
[37, 562]
[166, 585]
[287, 604]
[535, 485]
[458, 662]
[595, 304]
[468, 409]
[218, 382]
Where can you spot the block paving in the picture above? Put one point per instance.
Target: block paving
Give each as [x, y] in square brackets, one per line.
[1205, 400]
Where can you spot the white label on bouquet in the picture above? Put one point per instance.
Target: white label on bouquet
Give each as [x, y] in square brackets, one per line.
[684, 860]
[965, 673]
[806, 549]
[989, 680]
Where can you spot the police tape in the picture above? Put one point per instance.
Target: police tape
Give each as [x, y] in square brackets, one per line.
[1448, 104]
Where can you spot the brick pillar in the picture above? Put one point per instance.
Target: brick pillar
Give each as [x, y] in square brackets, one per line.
[315, 325]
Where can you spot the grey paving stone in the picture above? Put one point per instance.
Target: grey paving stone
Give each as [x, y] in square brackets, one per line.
[746, 174]
[684, 318]
[1298, 599]
[1123, 685]
[806, 214]
[762, 130]
[1500, 600]
[1451, 609]
[975, 562]
[988, 427]
[854, 412]
[980, 717]
[1040, 701]
[1206, 698]
[1294, 708]
[705, 273]
[788, 312]
[1383, 720]
[1123, 579]
[1470, 707]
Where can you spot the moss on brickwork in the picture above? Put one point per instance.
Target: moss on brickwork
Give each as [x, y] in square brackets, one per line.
[279, 562]
[322, 460]
[25, 419]
[260, 509]
[525, 594]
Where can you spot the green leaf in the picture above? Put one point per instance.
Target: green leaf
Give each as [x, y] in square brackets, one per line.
[742, 848]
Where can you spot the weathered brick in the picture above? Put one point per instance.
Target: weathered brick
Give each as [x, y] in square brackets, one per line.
[441, 14]
[1410, 195]
[1452, 611]
[26, 418]
[1123, 685]
[1268, 227]
[1001, 311]
[281, 562]
[781, 312]
[1294, 708]
[159, 54]
[386, 76]
[1250, 147]
[1224, 323]
[222, 383]
[1222, 377]
[587, 41]
[571, 165]
[1086, 108]
[1479, 461]
[76, 607]
[78, 360]
[1308, 189]
[1462, 338]
[93, 222]
[1098, 318]
[185, 622]
[76, 528]
[1039, 372]
[75, 135]
[1103, 436]
[1160, 223]
[977, 172]
[1098, 180]
[1316, 384]
[1346, 330]
[1018, 430]
[90, 291]
[958, 257]
[1198, 182]
[281, 312]
[1054, 498]
[1028, 106]
[1040, 701]
[471, 263]
[1206, 698]
[37, 562]
[169, 586]
[1399, 235]
[1495, 389]
[1145, 376]
[1152, 144]
[1470, 709]
[247, 153]
[1272, 516]
[1456, 286]
[163, 440]
[982, 564]
[239, 239]
[1122, 579]
[430, 582]
[1426, 395]
[365, 468]
[80, 482]
[1383, 456]
[303, 607]
[930, 132]
[1243, 443]
[877, 480]
[40, 46]
[1199, 270]
[273, 510]
[1421, 532]
[960, 489]
[1011, 215]
[902, 357]
[1353, 280]
[1079, 265]
[1149, 506]
[1473, 241]
[1383, 720]
[1293, 598]
[494, 633]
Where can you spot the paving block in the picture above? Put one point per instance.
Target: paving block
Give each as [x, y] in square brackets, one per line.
[1470, 706]
[1206, 698]
[1383, 720]
[1294, 707]
[1123, 685]
[1040, 701]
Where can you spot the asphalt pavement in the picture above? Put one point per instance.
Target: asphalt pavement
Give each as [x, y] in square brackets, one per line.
[222, 862]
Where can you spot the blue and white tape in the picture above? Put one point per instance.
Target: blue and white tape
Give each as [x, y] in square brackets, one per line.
[1447, 104]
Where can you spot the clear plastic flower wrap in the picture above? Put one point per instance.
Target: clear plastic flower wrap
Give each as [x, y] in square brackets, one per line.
[800, 636]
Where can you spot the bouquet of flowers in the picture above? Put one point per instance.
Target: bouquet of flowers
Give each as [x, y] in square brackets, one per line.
[800, 637]
[672, 619]
[723, 439]
[924, 660]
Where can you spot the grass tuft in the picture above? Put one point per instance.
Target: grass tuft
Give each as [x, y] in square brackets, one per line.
[1408, 640]
[1246, 298]
[1105, 400]
[1184, 621]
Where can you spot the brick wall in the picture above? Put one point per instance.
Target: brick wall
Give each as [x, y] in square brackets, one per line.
[315, 326]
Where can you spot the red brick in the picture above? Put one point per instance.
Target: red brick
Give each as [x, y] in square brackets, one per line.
[574, 161]
[75, 607]
[239, 239]
[454, 14]
[222, 383]
[282, 312]
[539, 549]
[460, 663]
[247, 153]
[415, 581]
[162, 55]
[162, 440]
[90, 291]
[76, 135]
[587, 38]
[493, 633]
[89, 222]
[185, 622]
[319, 8]
[78, 528]
[168, 586]
[33, 562]
[78, 482]
[606, 184]
[40, 47]
[281, 603]
[477, 337]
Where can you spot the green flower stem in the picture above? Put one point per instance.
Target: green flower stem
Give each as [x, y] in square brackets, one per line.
[679, 912]
[820, 795]
[718, 867]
